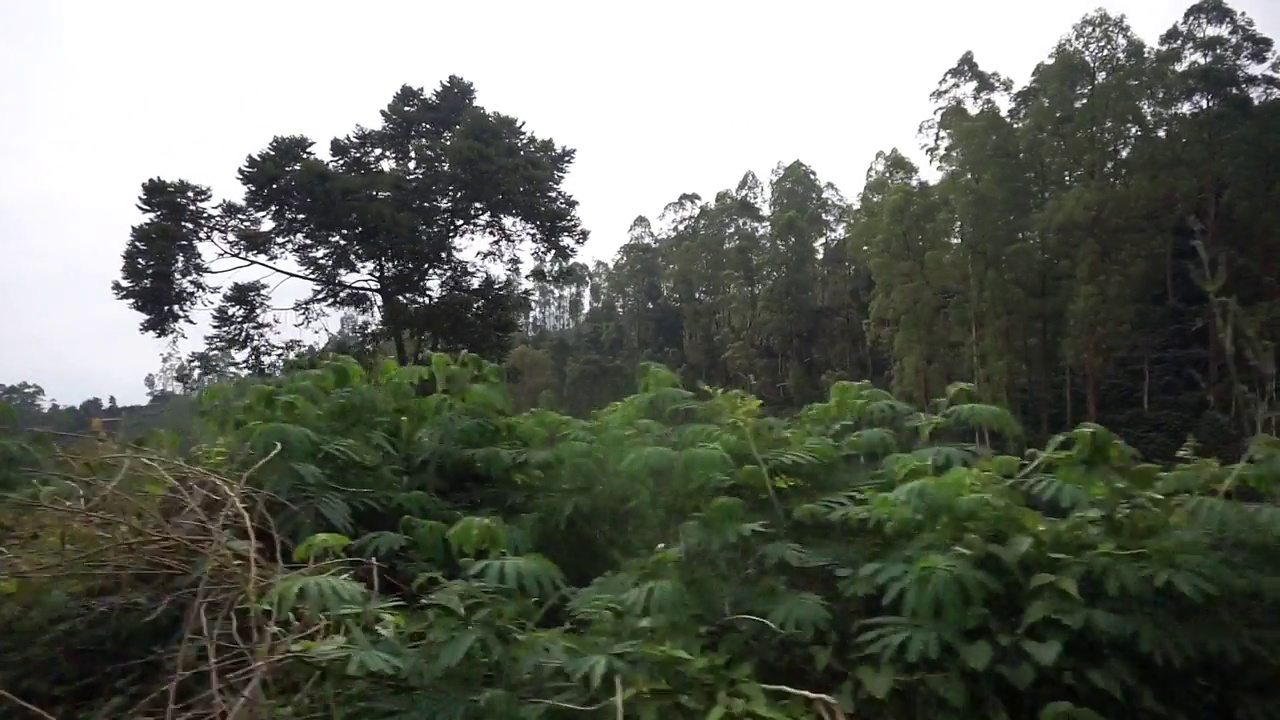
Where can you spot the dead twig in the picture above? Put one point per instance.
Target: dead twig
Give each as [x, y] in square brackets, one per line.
[26, 705]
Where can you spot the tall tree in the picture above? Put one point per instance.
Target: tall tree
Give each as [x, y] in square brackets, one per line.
[904, 232]
[421, 220]
[245, 329]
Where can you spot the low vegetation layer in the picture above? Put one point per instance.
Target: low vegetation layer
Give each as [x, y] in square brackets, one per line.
[401, 544]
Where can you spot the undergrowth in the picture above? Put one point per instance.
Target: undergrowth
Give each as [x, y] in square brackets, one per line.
[401, 544]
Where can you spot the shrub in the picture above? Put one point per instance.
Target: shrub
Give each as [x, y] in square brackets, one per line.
[680, 554]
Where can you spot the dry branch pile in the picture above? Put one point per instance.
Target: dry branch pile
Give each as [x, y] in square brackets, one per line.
[111, 538]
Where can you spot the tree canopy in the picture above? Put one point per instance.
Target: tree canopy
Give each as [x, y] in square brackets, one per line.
[1096, 244]
[423, 222]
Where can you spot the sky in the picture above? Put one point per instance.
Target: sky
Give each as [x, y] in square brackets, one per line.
[659, 99]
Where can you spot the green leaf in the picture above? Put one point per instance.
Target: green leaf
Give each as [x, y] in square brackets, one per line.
[1017, 547]
[532, 575]
[591, 667]
[474, 534]
[320, 545]
[1037, 611]
[381, 543]
[1045, 653]
[1020, 676]
[1063, 710]
[951, 688]
[802, 612]
[977, 655]
[447, 600]
[1005, 465]
[1069, 586]
[455, 649]
[878, 681]
[325, 594]
[821, 656]
[1041, 579]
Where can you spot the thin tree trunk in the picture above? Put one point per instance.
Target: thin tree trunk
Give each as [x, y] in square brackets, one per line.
[402, 348]
[1146, 383]
[1067, 394]
[1091, 380]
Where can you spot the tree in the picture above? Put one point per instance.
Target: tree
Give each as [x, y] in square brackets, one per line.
[1052, 259]
[244, 329]
[26, 402]
[178, 375]
[901, 226]
[529, 376]
[422, 221]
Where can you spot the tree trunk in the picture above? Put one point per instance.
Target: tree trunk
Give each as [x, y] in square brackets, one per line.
[1067, 396]
[1146, 383]
[391, 320]
[402, 349]
[1091, 380]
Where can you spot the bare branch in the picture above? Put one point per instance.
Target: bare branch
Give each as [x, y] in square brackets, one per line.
[24, 704]
[226, 252]
[828, 706]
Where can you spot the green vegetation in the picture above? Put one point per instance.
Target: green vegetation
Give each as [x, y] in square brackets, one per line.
[787, 456]
[357, 545]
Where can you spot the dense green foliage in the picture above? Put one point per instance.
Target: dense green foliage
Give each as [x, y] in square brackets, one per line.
[678, 554]
[652, 488]
[419, 221]
[1077, 247]
[1097, 245]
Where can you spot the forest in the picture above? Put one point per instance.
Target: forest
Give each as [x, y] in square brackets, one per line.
[995, 437]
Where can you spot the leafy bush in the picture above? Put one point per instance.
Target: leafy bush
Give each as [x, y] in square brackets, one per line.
[681, 555]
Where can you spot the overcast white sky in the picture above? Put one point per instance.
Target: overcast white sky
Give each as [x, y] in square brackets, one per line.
[659, 98]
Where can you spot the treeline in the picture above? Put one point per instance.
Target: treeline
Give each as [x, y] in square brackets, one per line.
[1099, 244]
[25, 407]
